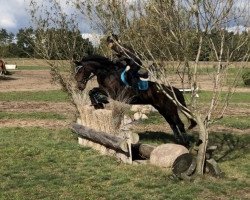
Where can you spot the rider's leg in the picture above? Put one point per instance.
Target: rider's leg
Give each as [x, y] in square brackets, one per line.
[132, 77]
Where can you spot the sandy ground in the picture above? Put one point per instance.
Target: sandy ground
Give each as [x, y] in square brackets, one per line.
[40, 80]
[28, 80]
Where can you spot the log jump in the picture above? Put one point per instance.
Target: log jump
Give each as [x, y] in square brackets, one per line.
[96, 129]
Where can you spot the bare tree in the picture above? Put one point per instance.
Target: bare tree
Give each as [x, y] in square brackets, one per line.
[164, 30]
[175, 35]
[58, 40]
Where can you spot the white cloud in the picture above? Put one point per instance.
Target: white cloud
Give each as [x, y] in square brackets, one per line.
[238, 29]
[7, 22]
[93, 38]
[13, 15]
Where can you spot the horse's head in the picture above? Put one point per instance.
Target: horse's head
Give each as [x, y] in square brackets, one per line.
[82, 74]
[96, 65]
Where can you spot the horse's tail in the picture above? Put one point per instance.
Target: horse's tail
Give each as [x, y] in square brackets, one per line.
[193, 123]
[184, 109]
[187, 113]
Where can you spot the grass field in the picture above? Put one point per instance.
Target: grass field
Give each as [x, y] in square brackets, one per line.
[50, 95]
[47, 163]
[39, 163]
[32, 115]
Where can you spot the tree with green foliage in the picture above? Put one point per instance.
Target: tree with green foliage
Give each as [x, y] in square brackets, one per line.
[6, 40]
[61, 44]
[25, 42]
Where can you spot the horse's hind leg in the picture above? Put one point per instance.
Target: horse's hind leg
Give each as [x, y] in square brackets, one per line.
[179, 131]
[177, 127]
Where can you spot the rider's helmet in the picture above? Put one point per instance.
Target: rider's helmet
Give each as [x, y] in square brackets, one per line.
[112, 40]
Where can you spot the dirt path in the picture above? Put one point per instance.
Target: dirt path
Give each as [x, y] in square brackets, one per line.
[17, 106]
[35, 123]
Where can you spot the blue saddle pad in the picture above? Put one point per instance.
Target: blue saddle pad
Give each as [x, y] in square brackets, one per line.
[123, 77]
[142, 84]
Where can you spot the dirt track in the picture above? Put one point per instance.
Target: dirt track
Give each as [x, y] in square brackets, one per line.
[33, 80]
[28, 80]
[40, 80]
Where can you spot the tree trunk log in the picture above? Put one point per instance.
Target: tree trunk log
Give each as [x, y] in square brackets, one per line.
[203, 137]
[145, 150]
[110, 141]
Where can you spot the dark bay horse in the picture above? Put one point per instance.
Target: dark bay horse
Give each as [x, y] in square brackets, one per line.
[110, 84]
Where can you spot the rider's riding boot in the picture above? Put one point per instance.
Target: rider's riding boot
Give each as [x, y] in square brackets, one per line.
[134, 84]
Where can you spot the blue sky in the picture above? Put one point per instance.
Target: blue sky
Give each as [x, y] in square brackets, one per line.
[13, 15]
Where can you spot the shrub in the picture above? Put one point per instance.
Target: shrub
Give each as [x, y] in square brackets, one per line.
[246, 78]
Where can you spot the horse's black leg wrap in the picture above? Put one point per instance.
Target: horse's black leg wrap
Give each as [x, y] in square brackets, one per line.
[98, 97]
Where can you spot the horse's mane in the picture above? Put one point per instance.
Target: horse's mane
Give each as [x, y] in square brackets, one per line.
[98, 58]
[105, 62]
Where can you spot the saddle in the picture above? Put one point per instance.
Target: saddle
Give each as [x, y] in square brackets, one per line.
[141, 81]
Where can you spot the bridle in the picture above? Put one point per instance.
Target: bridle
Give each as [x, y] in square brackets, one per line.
[84, 80]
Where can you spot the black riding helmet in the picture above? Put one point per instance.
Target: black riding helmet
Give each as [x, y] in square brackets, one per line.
[112, 41]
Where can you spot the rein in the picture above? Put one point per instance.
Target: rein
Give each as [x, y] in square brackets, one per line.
[84, 81]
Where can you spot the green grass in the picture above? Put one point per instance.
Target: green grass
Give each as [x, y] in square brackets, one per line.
[153, 118]
[33, 68]
[31, 115]
[62, 68]
[206, 96]
[239, 122]
[51, 96]
[41, 163]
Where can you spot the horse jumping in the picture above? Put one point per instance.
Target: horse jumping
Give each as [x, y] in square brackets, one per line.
[110, 84]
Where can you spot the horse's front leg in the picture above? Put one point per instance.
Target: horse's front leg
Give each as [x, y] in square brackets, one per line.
[98, 97]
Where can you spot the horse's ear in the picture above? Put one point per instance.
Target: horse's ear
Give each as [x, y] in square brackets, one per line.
[109, 39]
[77, 63]
[116, 38]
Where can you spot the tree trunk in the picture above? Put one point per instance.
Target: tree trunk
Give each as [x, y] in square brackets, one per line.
[203, 137]
[107, 140]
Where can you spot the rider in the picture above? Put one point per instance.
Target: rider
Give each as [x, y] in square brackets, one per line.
[126, 58]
